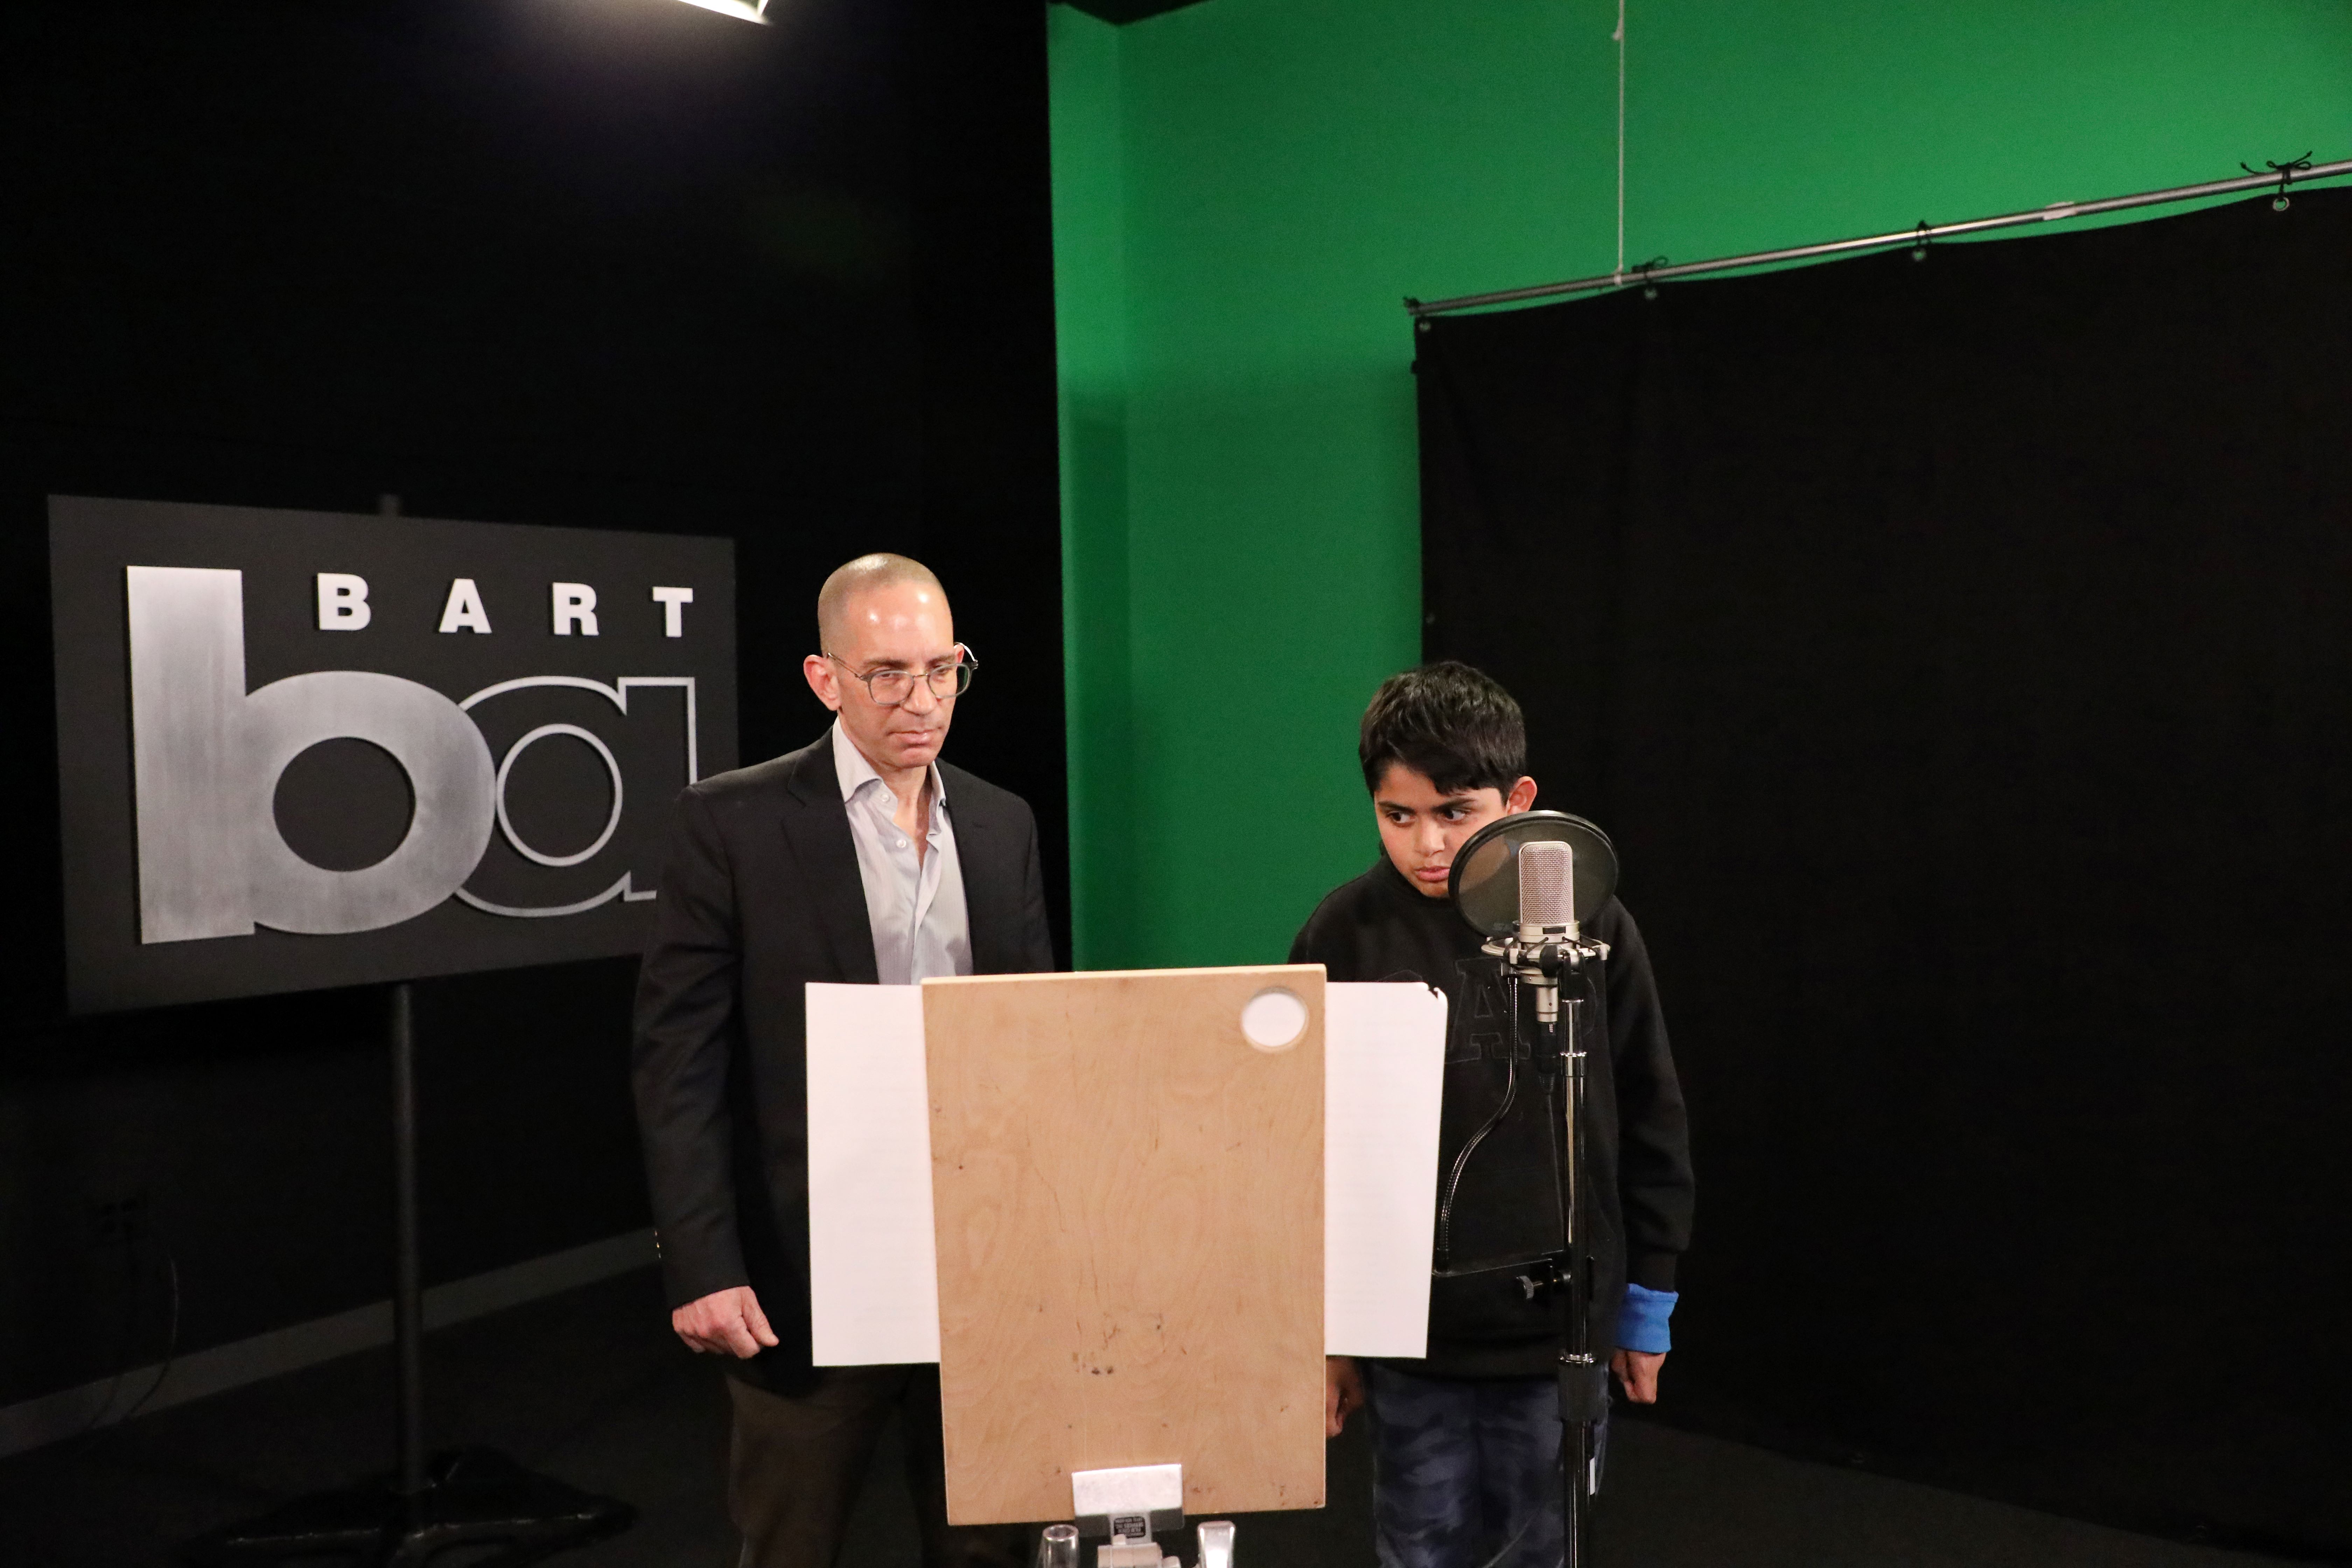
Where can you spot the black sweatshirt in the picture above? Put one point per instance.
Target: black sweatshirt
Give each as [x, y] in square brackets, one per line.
[1505, 1205]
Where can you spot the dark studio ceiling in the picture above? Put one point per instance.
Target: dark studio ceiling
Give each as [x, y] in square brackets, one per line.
[1128, 10]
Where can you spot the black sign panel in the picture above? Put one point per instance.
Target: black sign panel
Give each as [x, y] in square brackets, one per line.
[301, 748]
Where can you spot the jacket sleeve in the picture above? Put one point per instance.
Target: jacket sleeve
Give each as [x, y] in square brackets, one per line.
[1036, 927]
[685, 1034]
[1653, 1165]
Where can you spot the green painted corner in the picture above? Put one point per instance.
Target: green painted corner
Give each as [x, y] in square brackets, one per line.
[1090, 310]
[1245, 192]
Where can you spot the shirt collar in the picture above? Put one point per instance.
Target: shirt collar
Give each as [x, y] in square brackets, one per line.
[853, 771]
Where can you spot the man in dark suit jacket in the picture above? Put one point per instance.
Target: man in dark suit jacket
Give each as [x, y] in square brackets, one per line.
[859, 858]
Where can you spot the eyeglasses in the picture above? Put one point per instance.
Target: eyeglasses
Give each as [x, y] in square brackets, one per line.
[889, 686]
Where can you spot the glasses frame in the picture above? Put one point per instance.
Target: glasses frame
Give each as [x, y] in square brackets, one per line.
[966, 666]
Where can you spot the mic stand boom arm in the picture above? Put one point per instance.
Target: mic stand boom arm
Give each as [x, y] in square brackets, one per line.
[1539, 956]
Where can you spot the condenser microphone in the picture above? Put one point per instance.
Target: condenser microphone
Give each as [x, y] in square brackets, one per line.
[1547, 889]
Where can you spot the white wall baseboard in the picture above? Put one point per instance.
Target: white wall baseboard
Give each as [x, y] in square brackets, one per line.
[36, 1422]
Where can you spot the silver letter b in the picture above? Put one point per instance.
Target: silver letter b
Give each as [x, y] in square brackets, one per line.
[207, 758]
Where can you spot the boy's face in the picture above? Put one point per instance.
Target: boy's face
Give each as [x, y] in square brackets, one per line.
[1421, 826]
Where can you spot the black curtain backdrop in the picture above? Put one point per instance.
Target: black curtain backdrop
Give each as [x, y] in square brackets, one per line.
[1959, 651]
[597, 263]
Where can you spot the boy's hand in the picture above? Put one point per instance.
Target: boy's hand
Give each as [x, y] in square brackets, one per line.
[1638, 1371]
[1343, 1392]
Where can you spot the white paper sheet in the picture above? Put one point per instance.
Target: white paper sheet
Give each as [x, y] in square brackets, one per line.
[1383, 1070]
[873, 1264]
[873, 1271]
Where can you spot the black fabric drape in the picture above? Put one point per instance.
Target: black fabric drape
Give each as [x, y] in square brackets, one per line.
[1959, 652]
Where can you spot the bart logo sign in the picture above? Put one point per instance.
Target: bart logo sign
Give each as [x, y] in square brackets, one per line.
[302, 750]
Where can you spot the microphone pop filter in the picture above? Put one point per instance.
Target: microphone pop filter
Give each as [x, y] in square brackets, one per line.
[1486, 880]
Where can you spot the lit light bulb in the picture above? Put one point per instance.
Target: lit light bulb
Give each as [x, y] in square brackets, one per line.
[744, 10]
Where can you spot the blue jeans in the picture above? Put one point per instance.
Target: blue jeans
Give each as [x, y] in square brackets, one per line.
[1465, 1474]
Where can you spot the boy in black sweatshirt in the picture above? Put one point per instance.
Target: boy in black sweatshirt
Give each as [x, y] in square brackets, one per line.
[1466, 1441]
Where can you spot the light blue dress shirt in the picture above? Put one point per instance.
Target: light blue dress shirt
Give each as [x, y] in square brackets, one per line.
[914, 904]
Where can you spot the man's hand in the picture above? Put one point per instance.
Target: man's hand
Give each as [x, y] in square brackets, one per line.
[1638, 1371]
[1343, 1392]
[725, 1322]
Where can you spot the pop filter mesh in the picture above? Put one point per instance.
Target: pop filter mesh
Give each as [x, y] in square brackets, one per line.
[1489, 867]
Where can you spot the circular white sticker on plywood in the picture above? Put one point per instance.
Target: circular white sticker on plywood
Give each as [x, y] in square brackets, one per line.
[1273, 1020]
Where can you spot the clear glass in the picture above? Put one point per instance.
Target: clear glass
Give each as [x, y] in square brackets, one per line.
[1059, 1547]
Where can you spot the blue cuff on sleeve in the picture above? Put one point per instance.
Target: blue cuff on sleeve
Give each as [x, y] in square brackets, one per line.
[1641, 1321]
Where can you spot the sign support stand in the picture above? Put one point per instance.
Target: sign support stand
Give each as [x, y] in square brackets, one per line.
[408, 1270]
[469, 1497]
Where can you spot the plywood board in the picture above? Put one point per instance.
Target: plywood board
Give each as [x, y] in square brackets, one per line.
[873, 1270]
[1128, 1202]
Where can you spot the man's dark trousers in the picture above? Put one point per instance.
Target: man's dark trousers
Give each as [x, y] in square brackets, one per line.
[795, 1467]
[760, 895]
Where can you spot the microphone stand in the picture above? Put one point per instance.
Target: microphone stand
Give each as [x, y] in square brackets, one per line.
[1539, 956]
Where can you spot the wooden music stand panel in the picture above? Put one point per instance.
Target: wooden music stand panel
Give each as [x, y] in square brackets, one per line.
[1128, 1200]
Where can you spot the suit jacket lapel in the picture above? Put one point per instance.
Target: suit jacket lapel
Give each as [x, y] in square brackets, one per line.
[817, 829]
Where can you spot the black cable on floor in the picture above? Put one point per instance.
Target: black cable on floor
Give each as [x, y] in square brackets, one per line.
[99, 1428]
[122, 1356]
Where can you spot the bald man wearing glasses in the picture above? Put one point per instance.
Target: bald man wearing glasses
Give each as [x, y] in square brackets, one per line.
[861, 858]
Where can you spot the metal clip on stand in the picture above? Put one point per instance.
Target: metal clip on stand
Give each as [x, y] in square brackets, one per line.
[1131, 1506]
[1519, 880]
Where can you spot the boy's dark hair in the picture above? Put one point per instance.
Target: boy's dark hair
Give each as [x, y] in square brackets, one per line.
[1454, 725]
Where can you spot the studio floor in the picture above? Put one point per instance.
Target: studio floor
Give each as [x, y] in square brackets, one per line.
[589, 1386]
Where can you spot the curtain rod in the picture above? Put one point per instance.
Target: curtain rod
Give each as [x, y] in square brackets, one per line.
[2280, 176]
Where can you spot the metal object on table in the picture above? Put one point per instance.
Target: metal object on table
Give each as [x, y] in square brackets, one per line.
[1057, 1546]
[1130, 1504]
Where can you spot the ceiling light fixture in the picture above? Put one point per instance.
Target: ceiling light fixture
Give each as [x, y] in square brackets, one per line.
[742, 10]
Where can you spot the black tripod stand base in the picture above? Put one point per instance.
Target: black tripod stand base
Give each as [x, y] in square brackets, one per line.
[473, 1497]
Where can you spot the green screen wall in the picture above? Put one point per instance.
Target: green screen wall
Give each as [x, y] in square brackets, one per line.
[1244, 190]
